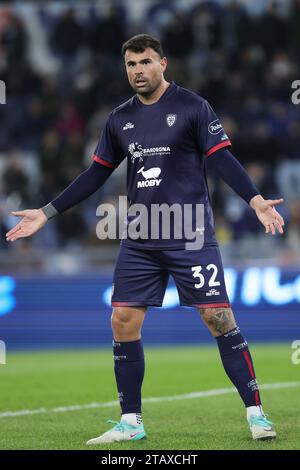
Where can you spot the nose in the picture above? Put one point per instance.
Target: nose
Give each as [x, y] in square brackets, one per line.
[138, 69]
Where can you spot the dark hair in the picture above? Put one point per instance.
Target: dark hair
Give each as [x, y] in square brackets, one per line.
[140, 42]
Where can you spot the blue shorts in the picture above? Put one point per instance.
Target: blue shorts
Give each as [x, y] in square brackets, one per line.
[141, 277]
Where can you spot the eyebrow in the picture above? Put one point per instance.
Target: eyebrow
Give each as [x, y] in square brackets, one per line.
[131, 62]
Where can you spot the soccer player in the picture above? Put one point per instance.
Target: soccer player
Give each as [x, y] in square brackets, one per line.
[168, 135]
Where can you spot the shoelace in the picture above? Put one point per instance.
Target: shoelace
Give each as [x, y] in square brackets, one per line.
[118, 425]
[261, 420]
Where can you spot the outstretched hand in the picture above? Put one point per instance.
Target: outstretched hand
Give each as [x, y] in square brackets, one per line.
[32, 221]
[267, 213]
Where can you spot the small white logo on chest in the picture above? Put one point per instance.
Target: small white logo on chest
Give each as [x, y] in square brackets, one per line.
[128, 125]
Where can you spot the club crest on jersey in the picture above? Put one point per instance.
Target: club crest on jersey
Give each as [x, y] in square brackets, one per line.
[171, 119]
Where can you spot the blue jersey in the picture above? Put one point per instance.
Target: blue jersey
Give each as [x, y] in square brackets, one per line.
[165, 144]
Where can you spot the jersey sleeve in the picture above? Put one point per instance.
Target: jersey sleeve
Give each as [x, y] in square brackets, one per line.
[108, 152]
[209, 131]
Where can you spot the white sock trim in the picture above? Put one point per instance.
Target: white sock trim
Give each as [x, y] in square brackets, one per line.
[132, 418]
[254, 410]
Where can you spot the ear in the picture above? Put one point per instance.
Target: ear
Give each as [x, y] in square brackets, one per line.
[163, 64]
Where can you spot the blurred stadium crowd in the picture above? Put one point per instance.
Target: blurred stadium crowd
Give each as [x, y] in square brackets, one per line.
[64, 73]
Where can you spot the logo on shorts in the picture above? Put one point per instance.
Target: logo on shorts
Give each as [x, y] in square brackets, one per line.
[150, 176]
[215, 127]
[253, 385]
[212, 292]
[171, 119]
[240, 346]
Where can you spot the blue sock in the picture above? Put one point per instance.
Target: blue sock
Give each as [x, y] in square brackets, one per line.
[238, 365]
[129, 372]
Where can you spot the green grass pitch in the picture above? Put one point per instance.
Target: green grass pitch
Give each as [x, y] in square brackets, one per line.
[44, 381]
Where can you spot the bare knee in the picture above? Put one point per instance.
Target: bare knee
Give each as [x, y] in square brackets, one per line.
[127, 323]
[219, 320]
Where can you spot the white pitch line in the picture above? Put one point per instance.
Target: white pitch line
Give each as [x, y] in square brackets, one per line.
[109, 404]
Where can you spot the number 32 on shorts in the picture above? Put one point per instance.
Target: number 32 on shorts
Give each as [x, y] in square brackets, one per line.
[212, 280]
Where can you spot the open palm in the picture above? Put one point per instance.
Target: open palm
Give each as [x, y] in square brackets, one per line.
[269, 216]
[32, 221]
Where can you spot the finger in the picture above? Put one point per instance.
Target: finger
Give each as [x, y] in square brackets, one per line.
[272, 228]
[275, 202]
[279, 219]
[279, 227]
[19, 234]
[19, 213]
[14, 238]
[13, 230]
[17, 229]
